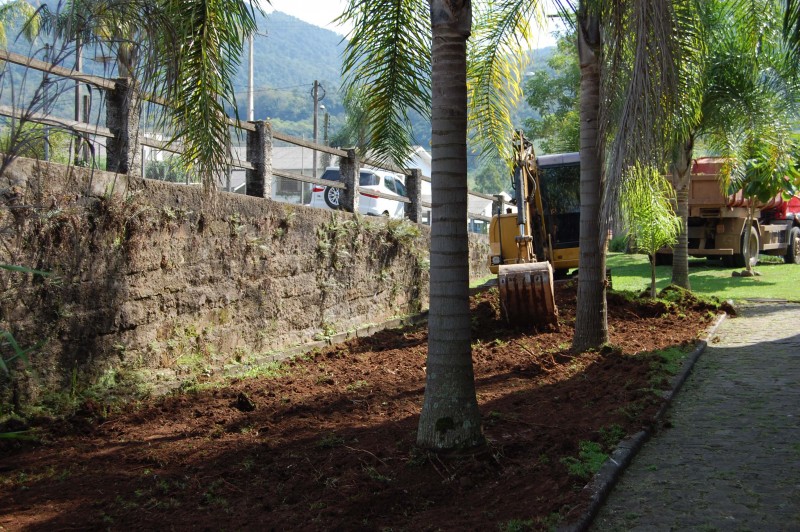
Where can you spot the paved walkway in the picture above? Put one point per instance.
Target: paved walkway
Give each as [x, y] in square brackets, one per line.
[730, 459]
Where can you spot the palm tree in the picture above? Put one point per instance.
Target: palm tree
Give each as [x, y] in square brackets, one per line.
[738, 90]
[186, 51]
[627, 53]
[450, 416]
[388, 53]
[628, 88]
[591, 323]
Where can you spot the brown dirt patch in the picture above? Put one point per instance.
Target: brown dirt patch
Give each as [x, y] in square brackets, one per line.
[329, 443]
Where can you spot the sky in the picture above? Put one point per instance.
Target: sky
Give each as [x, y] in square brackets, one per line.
[322, 12]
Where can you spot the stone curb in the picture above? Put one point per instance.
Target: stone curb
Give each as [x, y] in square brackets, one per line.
[604, 480]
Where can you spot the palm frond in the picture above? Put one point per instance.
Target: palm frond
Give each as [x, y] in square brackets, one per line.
[387, 63]
[203, 50]
[640, 126]
[791, 28]
[501, 35]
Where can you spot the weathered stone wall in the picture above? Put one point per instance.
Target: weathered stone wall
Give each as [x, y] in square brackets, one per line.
[152, 283]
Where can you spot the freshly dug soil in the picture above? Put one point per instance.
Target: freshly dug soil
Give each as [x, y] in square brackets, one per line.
[327, 441]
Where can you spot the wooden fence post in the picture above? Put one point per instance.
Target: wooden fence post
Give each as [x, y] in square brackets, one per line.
[414, 190]
[123, 109]
[258, 181]
[348, 197]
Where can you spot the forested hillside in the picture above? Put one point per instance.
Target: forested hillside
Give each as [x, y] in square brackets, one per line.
[289, 55]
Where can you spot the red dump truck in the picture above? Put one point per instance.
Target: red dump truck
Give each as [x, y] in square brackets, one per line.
[717, 222]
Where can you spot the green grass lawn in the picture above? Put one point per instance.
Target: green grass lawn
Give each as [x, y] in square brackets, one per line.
[777, 280]
[707, 277]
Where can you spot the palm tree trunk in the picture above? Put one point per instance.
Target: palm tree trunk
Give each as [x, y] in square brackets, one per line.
[591, 325]
[681, 174]
[450, 416]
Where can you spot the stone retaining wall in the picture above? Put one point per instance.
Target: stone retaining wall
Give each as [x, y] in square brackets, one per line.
[154, 283]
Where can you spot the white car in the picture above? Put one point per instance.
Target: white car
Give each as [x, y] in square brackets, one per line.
[327, 197]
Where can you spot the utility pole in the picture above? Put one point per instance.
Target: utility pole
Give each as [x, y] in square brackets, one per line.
[250, 107]
[78, 114]
[315, 94]
[46, 83]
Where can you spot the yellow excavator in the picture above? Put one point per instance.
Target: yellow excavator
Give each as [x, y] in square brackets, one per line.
[540, 239]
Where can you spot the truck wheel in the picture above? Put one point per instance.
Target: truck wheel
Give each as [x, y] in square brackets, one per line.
[793, 249]
[740, 260]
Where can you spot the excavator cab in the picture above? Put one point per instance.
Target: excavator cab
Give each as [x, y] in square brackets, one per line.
[518, 246]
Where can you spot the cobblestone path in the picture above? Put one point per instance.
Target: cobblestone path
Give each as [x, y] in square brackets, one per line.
[730, 457]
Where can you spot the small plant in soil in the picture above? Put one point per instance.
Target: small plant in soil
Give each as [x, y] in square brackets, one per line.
[329, 441]
[517, 525]
[611, 435]
[588, 462]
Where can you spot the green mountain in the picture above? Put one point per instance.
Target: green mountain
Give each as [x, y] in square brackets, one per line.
[289, 55]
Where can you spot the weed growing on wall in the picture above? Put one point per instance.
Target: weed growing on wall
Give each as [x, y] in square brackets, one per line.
[345, 242]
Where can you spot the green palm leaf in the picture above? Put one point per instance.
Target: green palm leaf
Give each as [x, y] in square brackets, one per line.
[497, 61]
[387, 68]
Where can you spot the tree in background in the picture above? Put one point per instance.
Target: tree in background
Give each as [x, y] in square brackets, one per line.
[554, 95]
[185, 51]
[170, 169]
[647, 199]
[739, 88]
[28, 140]
[18, 11]
[490, 177]
[771, 170]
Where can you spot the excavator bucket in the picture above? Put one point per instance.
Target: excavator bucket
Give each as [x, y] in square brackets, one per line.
[526, 294]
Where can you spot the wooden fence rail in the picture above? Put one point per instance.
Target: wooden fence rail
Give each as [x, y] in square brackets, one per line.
[125, 141]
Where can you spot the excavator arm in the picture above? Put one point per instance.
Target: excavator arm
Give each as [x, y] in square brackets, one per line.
[525, 281]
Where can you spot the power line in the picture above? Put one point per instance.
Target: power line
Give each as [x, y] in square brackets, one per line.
[265, 89]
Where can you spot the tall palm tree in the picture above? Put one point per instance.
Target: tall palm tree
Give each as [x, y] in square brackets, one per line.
[629, 80]
[591, 320]
[450, 414]
[390, 51]
[629, 85]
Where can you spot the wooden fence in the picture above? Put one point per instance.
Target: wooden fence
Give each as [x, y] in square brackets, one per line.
[124, 142]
